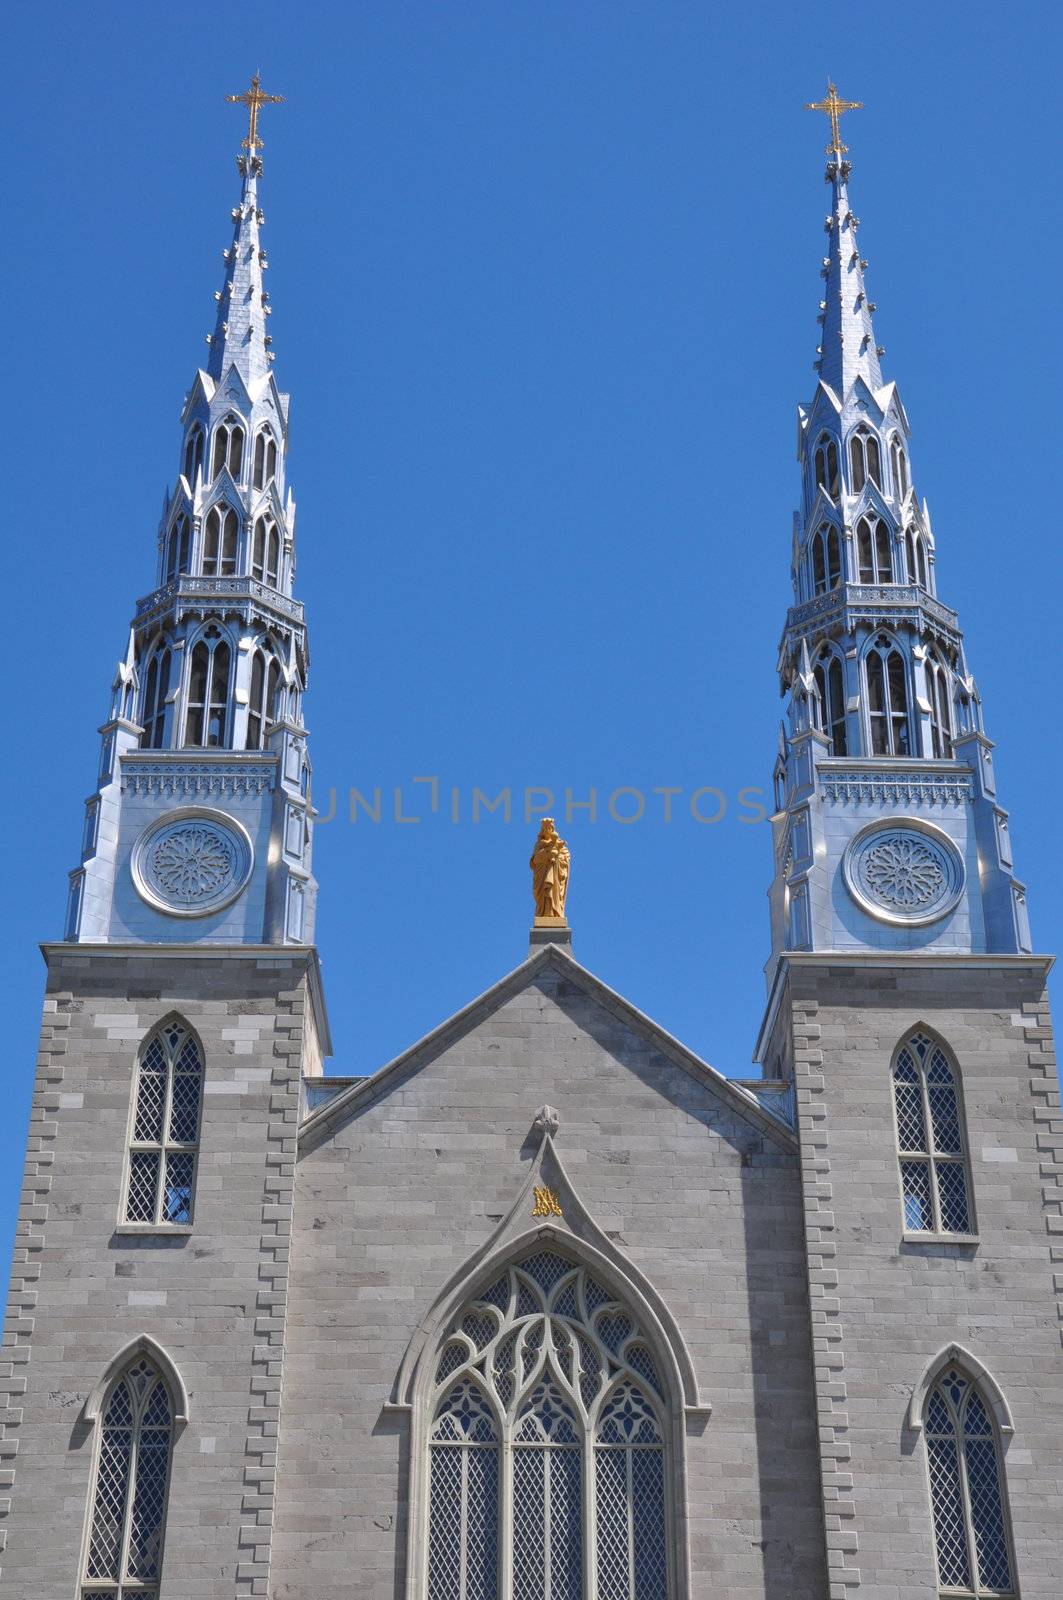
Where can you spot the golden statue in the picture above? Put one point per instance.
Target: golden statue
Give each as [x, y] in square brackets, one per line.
[550, 867]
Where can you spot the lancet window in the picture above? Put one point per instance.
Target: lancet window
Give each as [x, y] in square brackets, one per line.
[206, 722]
[899, 463]
[931, 1139]
[915, 552]
[826, 559]
[265, 677]
[865, 460]
[887, 698]
[546, 1440]
[830, 687]
[193, 453]
[967, 1493]
[164, 1141]
[939, 694]
[265, 551]
[874, 548]
[221, 535]
[265, 466]
[127, 1508]
[826, 466]
[178, 548]
[228, 449]
[156, 689]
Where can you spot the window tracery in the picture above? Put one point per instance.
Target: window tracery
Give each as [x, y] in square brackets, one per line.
[887, 698]
[228, 448]
[207, 718]
[156, 689]
[178, 546]
[931, 1139]
[899, 463]
[971, 1533]
[830, 687]
[546, 1445]
[864, 459]
[127, 1517]
[265, 551]
[939, 694]
[265, 466]
[826, 466]
[826, 559]
[164, 1140]
[193, 453]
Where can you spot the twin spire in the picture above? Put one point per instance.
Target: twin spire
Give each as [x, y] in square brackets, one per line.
[847, 348]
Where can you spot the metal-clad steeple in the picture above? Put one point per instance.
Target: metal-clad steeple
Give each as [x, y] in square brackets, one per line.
[240, 337]
[847, 348]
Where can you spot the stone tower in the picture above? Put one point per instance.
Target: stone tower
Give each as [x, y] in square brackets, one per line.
[181, 1012]
[906, 1012]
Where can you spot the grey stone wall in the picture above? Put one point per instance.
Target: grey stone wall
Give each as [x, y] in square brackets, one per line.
[397, 1197]
[883, 1307]
[213, 1297]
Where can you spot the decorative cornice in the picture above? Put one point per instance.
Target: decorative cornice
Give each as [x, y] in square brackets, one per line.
[187, 593]
[180, 780]
[862, 786]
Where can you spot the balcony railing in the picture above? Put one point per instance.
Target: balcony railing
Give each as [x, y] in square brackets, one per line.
[244, 588]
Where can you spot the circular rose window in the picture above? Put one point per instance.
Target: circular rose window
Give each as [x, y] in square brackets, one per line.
[905, 872]
[192, 862]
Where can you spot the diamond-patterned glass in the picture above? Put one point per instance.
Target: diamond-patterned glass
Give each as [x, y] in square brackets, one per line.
[944, 1107]
[129, 1496]
[908, 1094]
[952, 1196]
[177, 1205]
[184, 1110]
[546, 1367]
[151, 1094]
[918, 1206]
[987, 1506]
[143, 1189]
[965, 1481]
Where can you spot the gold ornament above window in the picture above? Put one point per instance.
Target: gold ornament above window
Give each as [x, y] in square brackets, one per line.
[546, 1203]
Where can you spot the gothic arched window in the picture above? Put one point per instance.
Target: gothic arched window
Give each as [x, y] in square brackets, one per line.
[261, 705]
[939, 694]
[265, 552]
[178, 545]
[887, 699]
[899, 463]
[874, 549]
[830, 686]
[864, 459]
[547, 1371]
[127, 1516]
[265, 458]
[826, 560]
[826, 466]
[193, 453]
[931, 1139]
[153, 711]
[228, 448]
[208, 691]
[164, 1139]
[220, 539]
[971, 1534]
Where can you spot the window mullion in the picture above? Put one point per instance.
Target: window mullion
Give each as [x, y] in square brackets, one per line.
[590, 1517]
[965, 1498]
[167, 1110]
[928, 1127]
[127, 1511]
[548, 1537]
[505, 1522]
[463, 1530]
[629, 1464]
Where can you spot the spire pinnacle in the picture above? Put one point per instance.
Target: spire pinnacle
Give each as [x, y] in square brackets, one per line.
[254, 99]
[835, 109]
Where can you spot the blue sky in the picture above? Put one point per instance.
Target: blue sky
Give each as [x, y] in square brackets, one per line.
[545, 280]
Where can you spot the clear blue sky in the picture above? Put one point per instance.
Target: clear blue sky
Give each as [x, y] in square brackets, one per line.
[545, 280]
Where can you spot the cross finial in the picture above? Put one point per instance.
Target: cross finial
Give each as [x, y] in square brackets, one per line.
[835, 110]
[254, 99]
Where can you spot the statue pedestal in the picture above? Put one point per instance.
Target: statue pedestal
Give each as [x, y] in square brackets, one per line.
[549, 930]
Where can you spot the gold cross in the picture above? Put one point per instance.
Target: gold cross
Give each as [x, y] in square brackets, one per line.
[254, 99]
[835, 109]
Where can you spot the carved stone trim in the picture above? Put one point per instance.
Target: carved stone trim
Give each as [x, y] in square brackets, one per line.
[166, 780]
[899, 788]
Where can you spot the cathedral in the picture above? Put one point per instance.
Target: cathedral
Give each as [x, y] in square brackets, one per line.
[546, 1308]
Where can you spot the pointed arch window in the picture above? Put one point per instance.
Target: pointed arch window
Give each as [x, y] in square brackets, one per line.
[931, 1139]
[887, 699]
[826, 560]
[265, 552]
[967, 1493]
[127, 1508]
[826, 466]
[228, 448]
[546, 1443]
[939, 693]
[899, 463]
[865, 460]
[178, 546]
[164, 1142]
[156, 689]
[915, 553]
[220, 540]
[207, 720]
[874, 548]
[265, 458]
[193, 453]
[830, 686]
[261, 706]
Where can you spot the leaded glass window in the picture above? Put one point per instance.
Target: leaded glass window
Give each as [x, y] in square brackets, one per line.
[887, 698]
[974, 1556]
[164, 1142]
[931, 1140]
[127, 1516]
[547, 1471]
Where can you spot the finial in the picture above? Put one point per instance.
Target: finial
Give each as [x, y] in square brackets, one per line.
[835, 110]
[254, 100]
[550, 862]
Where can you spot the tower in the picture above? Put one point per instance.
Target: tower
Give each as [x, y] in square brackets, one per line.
[906, 1014]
